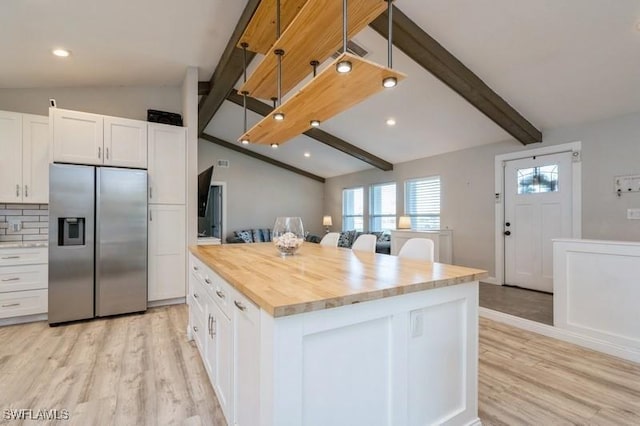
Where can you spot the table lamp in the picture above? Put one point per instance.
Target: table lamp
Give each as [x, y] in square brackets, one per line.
[404, 222]
[327, 222]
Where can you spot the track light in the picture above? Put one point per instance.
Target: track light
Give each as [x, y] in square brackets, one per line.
[315, 123]
[274, 145]
[343, 67]
[279, 116]
[389, 82]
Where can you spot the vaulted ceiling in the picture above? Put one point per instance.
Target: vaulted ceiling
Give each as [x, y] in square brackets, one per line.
[555, 62]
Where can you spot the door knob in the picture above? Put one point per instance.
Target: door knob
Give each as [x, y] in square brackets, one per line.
[507, 233]
[507, 224]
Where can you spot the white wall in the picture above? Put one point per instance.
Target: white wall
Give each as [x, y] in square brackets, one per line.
[258, 192]
[128, 102]
[190, 121]
[609, 147]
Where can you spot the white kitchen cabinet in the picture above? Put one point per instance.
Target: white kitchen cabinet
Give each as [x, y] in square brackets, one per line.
[23, 281]
[11, 157]
[246, 361]
[167, 236]
[125, 142]
[167, 164]
[78, 137]
[35, 159]
[24, 170]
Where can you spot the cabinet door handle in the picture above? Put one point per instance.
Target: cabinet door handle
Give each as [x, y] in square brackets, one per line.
[4, 280]
[17, 190]
[209, 325]
[11, 257]
[151, 192]
[195, 328]
[240, 305]
[99, 152]
[195, 295]
[26, 190]
[207, 280]
[213, 326]
[107, 152]
[10, 305]
[220, 294]
[195, 268]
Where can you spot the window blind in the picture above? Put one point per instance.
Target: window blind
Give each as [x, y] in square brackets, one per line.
[422, 202]
[352, 209]
[382, 207]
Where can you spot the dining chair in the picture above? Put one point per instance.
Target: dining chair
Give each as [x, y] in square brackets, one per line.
[330, 240]
[365, 242]
[418, 249]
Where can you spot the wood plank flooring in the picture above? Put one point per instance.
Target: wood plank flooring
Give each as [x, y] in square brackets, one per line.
[523, 303]
[140, 370]
[129, 370]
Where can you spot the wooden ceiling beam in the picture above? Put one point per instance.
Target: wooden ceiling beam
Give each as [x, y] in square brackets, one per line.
[237, 148]
[432, 56]
[204, 87]
[228, 70]
[328, 139]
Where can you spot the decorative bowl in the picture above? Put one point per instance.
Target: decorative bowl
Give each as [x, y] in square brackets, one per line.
[288, 235]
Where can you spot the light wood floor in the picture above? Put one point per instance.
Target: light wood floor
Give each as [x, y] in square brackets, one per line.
[138, 370]
[130, 370]
[523, 303]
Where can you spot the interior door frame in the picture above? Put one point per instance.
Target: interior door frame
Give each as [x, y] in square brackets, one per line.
[576, 196]
[223, 237]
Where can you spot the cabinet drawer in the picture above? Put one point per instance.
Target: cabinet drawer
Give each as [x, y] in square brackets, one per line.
[19, 303]
[26, 277]
[244, 307]
[221, 292]
[197, 294]
[196, 323]
[23, 256]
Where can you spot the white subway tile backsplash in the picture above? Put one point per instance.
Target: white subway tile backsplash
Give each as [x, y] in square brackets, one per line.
[34, 218]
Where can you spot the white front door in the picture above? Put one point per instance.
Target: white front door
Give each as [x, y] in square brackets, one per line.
[537, 210]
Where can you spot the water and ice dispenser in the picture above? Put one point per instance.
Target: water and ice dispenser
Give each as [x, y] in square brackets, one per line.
[71, 231]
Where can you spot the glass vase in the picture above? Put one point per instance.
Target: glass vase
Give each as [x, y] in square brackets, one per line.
[288, 235]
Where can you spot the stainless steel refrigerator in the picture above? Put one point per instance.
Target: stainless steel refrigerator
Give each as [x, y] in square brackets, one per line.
[97, 242]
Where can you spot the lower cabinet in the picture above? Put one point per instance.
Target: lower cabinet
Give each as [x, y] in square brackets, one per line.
[166, 257]
[23, 281]
[226, 328]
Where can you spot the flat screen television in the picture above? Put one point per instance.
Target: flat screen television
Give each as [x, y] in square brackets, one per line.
[204, 182]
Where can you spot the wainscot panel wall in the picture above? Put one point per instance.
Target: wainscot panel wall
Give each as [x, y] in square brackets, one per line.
[258, 192]
[610, 148]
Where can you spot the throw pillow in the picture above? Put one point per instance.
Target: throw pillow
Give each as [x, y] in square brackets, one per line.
[378, 235]
[257, 236]
[245, 235]
[265, 235]
[346, 239]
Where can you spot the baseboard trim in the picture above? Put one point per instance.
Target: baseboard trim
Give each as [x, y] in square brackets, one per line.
[630, 354]
[167, 302]
[23, 319]
[491, 280]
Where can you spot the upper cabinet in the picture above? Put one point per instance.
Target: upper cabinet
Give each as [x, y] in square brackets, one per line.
[24, 170]
[167, 164]
[84, 138]
[77, 137]
[125, 142]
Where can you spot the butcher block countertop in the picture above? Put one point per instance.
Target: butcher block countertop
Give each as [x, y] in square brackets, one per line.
[319, 277]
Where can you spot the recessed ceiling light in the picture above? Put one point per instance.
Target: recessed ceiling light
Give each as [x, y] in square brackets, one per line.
[306, 154]
[279, 116]
[315, 123]
[245, 141]
[63, 53]
[391, 121]
[274, 145]
[389, 82]
[343, 67]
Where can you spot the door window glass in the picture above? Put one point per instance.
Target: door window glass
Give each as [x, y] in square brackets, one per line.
[534, 180]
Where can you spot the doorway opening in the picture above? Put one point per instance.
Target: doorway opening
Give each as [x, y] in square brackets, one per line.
[214, 222]
[538, 198]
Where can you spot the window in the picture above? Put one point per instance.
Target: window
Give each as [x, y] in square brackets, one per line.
[352, 209]
[538, 179]
[382, 207]
[422, 202]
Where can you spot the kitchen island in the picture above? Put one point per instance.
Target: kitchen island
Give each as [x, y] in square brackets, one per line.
[335, 337]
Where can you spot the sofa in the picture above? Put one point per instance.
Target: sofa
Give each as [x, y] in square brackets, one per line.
[383, 243]
[261, 236]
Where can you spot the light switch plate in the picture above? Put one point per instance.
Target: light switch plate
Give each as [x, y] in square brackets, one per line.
[633, 214]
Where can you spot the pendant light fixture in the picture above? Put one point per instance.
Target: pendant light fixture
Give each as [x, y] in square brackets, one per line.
[245, 140]
[314, 64]
[389, 82]
[274, 145]
[278, 116]
[344, 66]
[315, 123]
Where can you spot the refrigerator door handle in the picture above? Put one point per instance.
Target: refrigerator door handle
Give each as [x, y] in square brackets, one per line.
[150, 215]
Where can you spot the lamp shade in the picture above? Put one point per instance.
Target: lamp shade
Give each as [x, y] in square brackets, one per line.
[404, 222]
[326, 221]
